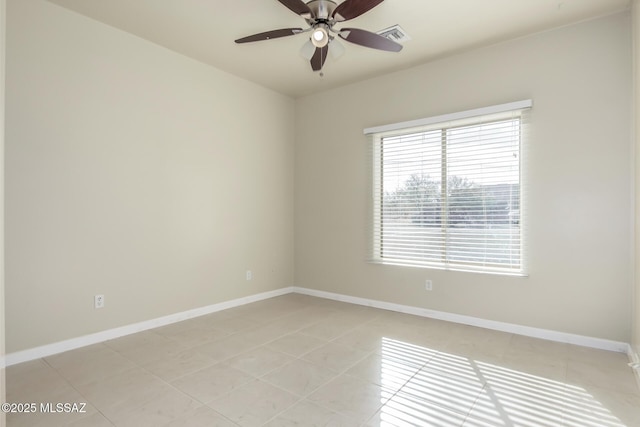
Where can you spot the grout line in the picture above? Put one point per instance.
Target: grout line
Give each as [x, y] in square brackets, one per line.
[70, 384]
[300, 398]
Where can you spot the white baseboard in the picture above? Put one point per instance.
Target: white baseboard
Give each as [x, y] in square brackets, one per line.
[633, 356]
[546, 334]
[634, 362]
[71, 344]
[98, 337]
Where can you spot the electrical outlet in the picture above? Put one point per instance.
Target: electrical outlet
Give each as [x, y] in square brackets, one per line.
[98, 301]
[428, 285]
[249, 275]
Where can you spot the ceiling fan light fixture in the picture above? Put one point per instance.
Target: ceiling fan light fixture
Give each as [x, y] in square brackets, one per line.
[307, 51]
[320, 36]
[337, 49]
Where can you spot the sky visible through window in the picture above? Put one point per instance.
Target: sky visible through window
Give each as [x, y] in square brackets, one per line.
[485, 154]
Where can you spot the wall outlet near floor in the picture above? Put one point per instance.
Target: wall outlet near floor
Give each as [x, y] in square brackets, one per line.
[249, 275]
[98, 301]
[428, 285]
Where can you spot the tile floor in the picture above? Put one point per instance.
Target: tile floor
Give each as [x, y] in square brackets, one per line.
[302, 361]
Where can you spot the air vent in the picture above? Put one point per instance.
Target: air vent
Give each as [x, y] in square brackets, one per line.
[395, 33]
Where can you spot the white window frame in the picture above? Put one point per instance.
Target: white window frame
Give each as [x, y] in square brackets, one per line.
[487, 114]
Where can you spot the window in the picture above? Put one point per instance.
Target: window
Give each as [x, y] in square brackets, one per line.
[447, 191]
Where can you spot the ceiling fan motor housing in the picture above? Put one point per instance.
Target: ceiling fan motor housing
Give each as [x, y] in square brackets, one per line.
[322, 10]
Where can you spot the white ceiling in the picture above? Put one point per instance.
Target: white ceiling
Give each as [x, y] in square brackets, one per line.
[206, 29]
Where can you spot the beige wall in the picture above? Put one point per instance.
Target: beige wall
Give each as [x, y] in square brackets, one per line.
[3, 5]
[579, 240]
[136, 173]
[635, 340]
[140, 174]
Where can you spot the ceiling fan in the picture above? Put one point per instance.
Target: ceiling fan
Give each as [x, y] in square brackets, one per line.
[322, 16]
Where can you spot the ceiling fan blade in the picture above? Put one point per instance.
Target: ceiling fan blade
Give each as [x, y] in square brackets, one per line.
[298, 7]
[317, 61]
[268, 35]
[369, 39]
[350, 9]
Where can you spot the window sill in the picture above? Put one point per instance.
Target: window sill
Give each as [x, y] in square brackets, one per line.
[461, 269]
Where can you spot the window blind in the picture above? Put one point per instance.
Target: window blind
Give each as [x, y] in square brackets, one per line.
[449, 194]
